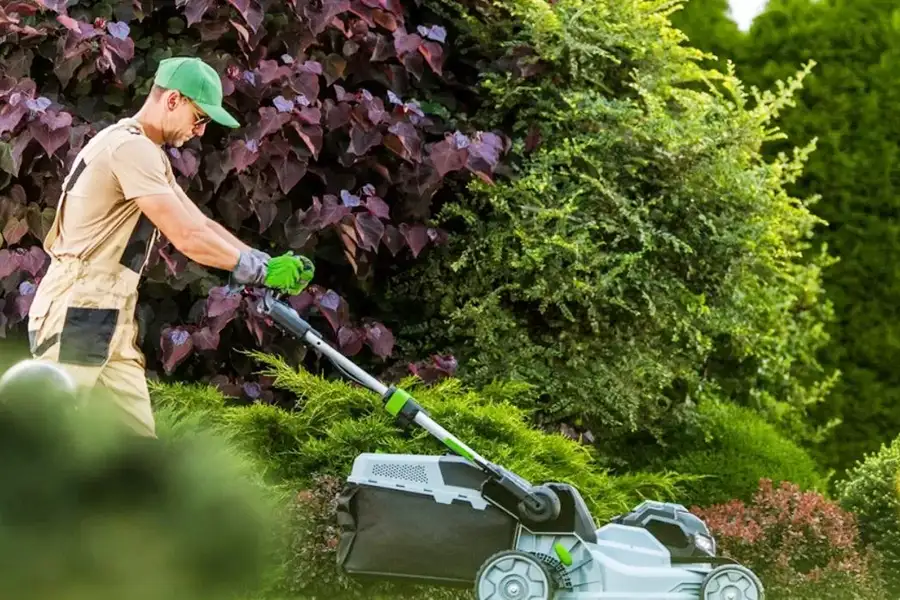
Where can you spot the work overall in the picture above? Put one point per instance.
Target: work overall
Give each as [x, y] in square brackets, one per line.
[83, 316]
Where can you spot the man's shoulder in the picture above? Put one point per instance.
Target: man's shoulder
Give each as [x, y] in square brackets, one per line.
[126, 133]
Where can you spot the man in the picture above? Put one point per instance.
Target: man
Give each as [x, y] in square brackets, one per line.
[120, 195]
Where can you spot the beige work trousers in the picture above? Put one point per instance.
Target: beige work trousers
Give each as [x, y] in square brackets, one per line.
[83, 319]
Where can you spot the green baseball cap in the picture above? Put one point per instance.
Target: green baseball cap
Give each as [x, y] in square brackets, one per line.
[199, 82]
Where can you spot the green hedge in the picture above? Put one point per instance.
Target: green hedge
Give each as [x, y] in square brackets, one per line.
[733, 449]
[312, 447]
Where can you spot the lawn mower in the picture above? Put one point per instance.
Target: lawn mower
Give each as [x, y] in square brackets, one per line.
[458, 519]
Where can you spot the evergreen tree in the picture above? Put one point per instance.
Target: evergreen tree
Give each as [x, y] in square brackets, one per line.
[849, 106]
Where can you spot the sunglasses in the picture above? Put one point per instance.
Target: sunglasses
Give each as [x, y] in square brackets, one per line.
[199, 117]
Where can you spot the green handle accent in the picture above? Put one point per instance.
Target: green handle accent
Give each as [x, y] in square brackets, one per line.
[563, 554]
[459, 450]
[397, 401]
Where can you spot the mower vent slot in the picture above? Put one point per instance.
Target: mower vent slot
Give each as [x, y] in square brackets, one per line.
[414, 473]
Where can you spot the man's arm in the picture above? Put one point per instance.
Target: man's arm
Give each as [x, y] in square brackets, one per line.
[190, 234]
[194, 210]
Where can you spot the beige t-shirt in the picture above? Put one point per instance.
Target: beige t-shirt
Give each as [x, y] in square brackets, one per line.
[98, 219]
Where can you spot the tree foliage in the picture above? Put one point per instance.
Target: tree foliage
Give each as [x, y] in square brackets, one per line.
[641, 252]
[847, 109]
[709, 27]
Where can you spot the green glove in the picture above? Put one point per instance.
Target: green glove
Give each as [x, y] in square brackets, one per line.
[286, 273]
[289, 273]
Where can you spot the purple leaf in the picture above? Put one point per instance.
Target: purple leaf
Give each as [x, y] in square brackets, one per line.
[296, 231]
[38, 104]
[27, 288]
[484, 154]
[33, 261]
[176, 345]
[334, 308]
[350, 340]
[410, 142]
[394, 98]
[310, 115]
[404, 43]
[250, 77]
[434, 55]
[446, 363]
[446, 158]
[266, 213]
[9, 262]
[185, 161]
[361, 141]
[369, 229]
[118, 30]
[270, 121]
[313, 67]
[14, 230]
[302, 101]
[380, 339]
[337, 115]
[11, 115]
[289, 171]
[378, 207]
[242, 154]
[393, 239]
[252, 389]
[205, 339]
[195, 9]
[416, 237]
[22, 301]
[461, 140]
[435, 32]
[254, 321]
[312, 136]
[283, 104]
[221, 301]
[51, 130]
[349, 199]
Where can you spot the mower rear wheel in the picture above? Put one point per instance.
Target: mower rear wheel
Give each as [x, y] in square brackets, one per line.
[549, 509]
[732, 582]
[513, 575]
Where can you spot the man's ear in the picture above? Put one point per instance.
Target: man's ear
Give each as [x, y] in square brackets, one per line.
[172, 99]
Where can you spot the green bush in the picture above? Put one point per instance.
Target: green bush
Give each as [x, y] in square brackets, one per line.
[91, 511]
[732, 449]
[638, 248]
[334, 421]
[871, 490]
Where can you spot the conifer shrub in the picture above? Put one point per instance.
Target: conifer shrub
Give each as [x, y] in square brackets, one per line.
[310, 448]
[731, 450]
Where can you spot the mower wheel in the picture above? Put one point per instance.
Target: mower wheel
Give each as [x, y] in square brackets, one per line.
[514, 575]
[732, 582]
[549, 509]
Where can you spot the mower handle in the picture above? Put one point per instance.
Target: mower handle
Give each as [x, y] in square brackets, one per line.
[533, 500]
